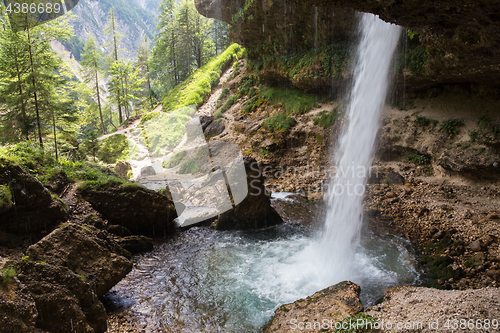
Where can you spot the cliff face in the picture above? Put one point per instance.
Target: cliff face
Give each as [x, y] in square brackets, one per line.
[280, 26]
[461, 38]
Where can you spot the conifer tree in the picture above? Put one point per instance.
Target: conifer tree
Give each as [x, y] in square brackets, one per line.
[91, 64]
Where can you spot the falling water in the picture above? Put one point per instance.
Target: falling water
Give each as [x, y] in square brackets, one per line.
[353, 157]
[205, 280]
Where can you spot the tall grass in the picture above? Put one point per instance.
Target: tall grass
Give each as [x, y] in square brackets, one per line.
[199, 85]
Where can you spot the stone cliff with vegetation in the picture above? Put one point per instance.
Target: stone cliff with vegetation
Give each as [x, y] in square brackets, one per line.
[281, 101]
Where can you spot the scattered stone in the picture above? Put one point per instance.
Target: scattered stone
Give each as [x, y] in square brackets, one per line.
[390, 194]
[148, 171]
[122, 169]
[336, 302]
[475, 246]
[395, 178]
[408, 304]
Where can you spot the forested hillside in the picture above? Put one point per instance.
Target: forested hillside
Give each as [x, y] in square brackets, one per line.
[135, 19]
[128, 65]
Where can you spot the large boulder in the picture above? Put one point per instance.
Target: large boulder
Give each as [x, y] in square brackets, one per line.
[32, 208]
[122, 169]
[138, 209]
[86, 251]
[18, 312]
[333, 303]
[64, 301]
[255, 210]
[215, 128]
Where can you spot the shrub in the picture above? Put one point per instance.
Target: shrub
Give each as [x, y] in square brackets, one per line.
[279, 122]
[5, 197]
[326, 118]
[451, 126]
[195, 164]
[224, 93]
[417, 158]
[218, 115]
[190, 166]
[230, 101]
[484, 122]
[7, 274]
[423, 121]
[417, 58]
[294, 101]
[199, 85]
[473, 135]
[174, 160]
[113, 148]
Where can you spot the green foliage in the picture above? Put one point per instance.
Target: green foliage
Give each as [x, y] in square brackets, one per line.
[451, 126]
[473, 135]
[7, 274]
[411, 34]
[279, 123]
[190, 166]
[361, 322]
[40, 165]
[198, 86]
[326, 118]
[113, 149]
[5, 197]
[294, 101]
[218, 115]
[195, 163]
[417, 158]
[186, 41]
[230, 102]
[224, 93]
[484, 122]
[100, 184]
[174, 160]
[417, 58]
[163, 131]
[424, 121]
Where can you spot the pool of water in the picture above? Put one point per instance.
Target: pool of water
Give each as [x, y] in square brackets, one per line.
[204, 280]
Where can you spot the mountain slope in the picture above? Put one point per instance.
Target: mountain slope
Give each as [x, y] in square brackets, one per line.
[135, 19]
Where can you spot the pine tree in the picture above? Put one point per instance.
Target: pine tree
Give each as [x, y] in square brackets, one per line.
[91, 64]
[143, 59]
[111, 30]
[29, 74]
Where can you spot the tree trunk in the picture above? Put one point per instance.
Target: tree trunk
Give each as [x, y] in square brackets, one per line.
[55, 136]
[120, 119]
[39, 125]
[99, 101]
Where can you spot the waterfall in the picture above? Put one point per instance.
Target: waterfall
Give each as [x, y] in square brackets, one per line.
[353, 155]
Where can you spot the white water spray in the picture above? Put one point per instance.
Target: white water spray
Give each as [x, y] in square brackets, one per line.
[353, 157]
